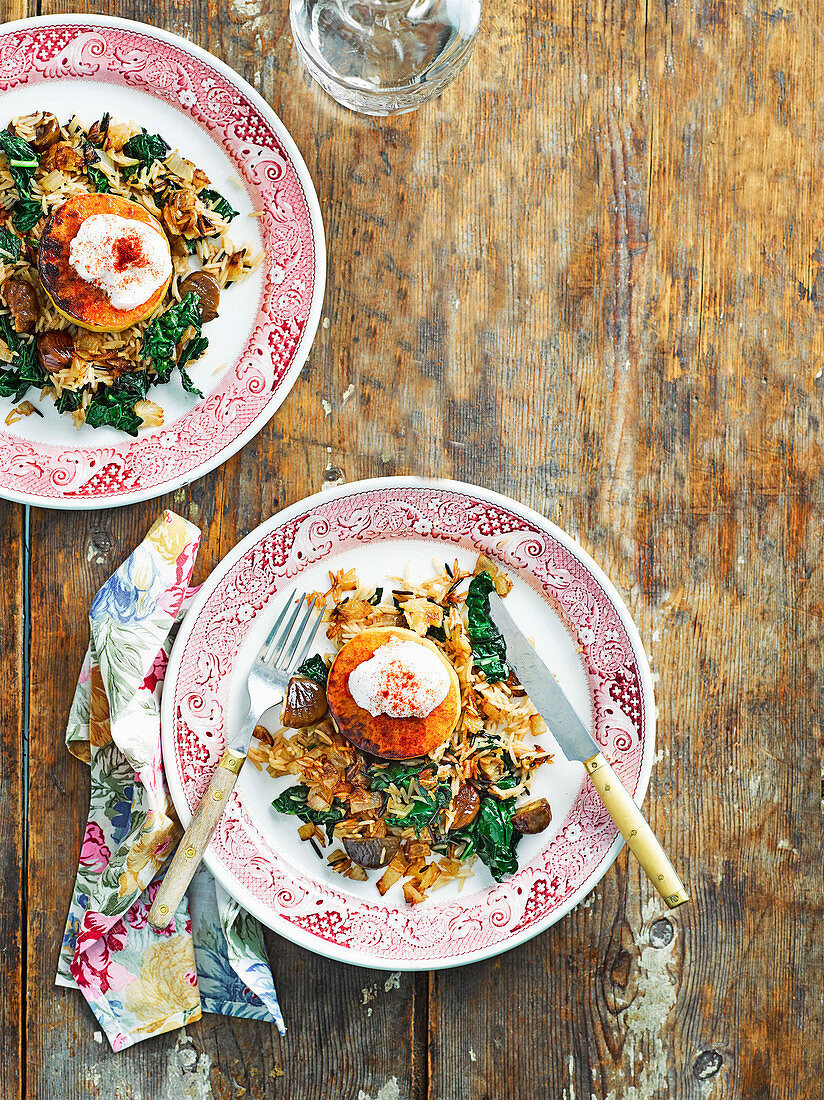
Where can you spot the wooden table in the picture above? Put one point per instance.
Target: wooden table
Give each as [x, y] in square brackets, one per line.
[591, 276]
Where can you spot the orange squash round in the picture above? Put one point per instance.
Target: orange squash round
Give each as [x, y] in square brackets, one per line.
[382, 735]
[80, 302]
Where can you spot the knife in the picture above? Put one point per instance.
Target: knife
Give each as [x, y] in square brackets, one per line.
[577, 744]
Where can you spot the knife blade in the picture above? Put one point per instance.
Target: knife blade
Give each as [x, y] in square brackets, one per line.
[577, 743]
[542, 687]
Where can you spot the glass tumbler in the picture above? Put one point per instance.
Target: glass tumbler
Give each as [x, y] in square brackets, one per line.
[384, 56]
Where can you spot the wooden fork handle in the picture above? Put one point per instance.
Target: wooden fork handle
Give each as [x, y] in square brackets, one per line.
[636, 832]
[196, 839]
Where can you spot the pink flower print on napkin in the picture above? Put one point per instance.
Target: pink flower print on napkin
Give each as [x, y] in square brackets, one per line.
[93, 967]
[94, 854]
[156, 673]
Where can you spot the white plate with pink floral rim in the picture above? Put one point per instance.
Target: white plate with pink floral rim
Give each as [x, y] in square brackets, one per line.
[85, 65]
[580, 627]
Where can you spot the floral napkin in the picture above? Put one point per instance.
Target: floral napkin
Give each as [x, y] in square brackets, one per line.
[140, 982]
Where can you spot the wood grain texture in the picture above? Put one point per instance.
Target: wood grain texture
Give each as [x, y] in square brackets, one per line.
[589, 276]
[12, 808]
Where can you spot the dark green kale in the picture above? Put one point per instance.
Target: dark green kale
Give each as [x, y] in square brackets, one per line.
[492, 837]
[426, 806]
[488, 645]
[69, 400]
[10, 245]
[26, 213]
[425, 812]
[22, 161]
[314, 668]
[147, 148]
[215, 201]
[294, 801]
[98, 179]
[376, 597]
[8, 333]
[191, 351]
[161, 338]
[24, 370]
[114, 405]
[398, 772]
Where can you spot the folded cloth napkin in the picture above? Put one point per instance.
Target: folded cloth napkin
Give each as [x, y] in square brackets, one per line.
[140, 982]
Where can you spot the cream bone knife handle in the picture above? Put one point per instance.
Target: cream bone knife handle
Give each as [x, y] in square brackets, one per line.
[635, 831]
[196, 839]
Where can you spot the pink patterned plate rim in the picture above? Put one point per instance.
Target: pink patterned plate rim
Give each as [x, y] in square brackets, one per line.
[268, 325]
[573, 610]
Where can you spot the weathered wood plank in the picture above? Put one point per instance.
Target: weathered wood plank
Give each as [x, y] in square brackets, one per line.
[12, 806]
[690, 466]
[349, 1030]
[734, 399]
[15, 9]
[589, 277]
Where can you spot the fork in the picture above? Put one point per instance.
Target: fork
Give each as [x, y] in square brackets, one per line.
[266, 686]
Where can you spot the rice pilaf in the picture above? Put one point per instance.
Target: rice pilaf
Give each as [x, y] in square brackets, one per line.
[435, 815]
[119, 159]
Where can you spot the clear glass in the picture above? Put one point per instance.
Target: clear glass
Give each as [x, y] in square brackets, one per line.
[382, 57]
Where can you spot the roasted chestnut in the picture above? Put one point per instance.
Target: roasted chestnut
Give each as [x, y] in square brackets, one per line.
[207, 290]
[533, 817]
[371, 851]
[47, 132]
[55, 349]
[21, 298]
[305, 702]
[466, 803]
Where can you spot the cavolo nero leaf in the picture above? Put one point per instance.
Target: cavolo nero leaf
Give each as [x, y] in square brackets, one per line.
[22, 161]
[69, 400]
[492, 837]
[98, 179]
[398, 772]
[294, 801]
[161, 337]
[215, 201]
[147, 148]
[10, 245]
[26, 213]
[488, 645]
[114, 405]
[191, 351]
[24, 370]
[8, 334]
[115, 410]
[314, 668]
[423, 813]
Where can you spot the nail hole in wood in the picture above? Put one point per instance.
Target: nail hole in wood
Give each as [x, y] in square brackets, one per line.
[101, 542]
[707, 1064]
[661, 933]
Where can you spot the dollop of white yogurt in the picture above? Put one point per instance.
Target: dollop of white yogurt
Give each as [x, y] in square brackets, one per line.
[401, 679]
[127, 259]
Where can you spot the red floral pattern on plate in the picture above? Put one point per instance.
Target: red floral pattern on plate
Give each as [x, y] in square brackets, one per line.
[434, 933]
[165, 67]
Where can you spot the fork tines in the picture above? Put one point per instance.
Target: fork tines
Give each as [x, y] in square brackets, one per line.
[282, 648]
